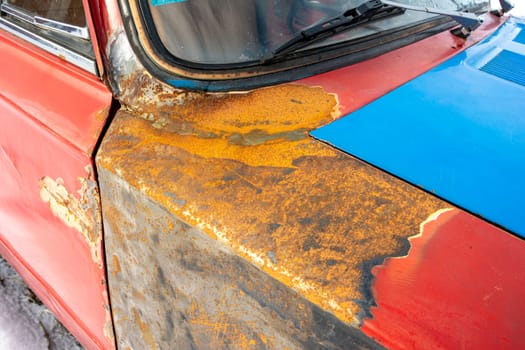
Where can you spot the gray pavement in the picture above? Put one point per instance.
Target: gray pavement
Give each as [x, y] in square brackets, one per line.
[25, 323]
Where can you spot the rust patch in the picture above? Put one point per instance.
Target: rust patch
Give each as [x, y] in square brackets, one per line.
[143, 326]
[242, 168]
[240, 126]
[191, 292]
[115, 269]
[102, 114]
[81, 213]
[278, 108]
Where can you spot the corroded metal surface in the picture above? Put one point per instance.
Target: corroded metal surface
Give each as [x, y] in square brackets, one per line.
[242, 168]
[173, 286]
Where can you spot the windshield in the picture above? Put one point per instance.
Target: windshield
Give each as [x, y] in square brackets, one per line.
[237, 31]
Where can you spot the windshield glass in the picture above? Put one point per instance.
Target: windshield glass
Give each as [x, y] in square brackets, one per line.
[237, 31]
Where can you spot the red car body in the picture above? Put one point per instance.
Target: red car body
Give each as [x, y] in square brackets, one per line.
[63, 218]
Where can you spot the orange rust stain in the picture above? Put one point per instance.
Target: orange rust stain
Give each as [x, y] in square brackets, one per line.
[102, 114]
[146, 334]
[272, 110]
[138, 295]
[225, 330]
[275, 153]
[262, 119]
[116, 269]
[243, 169]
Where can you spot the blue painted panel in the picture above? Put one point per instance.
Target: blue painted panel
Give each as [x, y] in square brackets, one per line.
[520, 38]
[164, 2]
[507, 65]
[188, 84]
[454, 131]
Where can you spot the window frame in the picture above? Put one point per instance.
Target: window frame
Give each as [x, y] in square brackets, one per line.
[69, 42]
[216, 77]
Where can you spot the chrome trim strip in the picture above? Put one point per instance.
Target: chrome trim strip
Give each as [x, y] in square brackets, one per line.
[45, 23]
[15, 12]
[78, 32]
[49, 46]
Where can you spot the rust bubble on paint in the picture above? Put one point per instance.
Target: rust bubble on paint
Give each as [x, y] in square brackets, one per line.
[81, 212]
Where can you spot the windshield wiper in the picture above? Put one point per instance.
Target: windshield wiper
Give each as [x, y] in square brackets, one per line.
[368, 11]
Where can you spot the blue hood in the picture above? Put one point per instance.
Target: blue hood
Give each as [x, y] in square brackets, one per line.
[457, 131]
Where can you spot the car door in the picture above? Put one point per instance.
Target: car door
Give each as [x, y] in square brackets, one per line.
[53, 107]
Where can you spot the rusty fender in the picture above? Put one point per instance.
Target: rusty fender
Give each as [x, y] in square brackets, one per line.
[223, 216]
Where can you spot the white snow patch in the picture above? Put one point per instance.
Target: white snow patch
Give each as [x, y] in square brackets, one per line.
[17, 329]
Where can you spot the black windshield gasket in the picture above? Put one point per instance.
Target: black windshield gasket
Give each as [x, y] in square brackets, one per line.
[222, 77]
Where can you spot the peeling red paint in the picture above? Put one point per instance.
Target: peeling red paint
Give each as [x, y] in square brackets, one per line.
[461, 286]
[83, 214]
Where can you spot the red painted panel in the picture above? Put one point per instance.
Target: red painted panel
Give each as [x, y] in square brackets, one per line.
[49, 89]
[461, 286]
[51, 115]
[93, 37]
[106, 18]
[361, 83]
